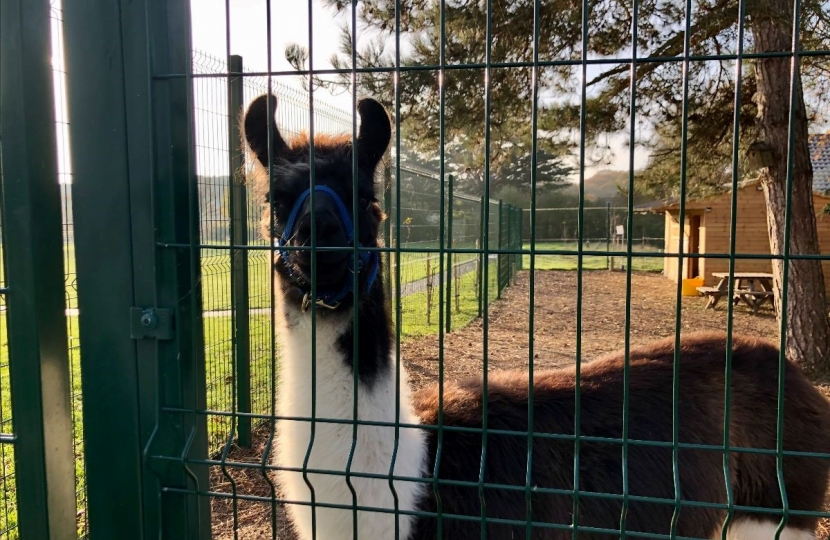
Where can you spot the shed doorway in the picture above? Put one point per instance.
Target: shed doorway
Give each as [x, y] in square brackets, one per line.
[693, 248]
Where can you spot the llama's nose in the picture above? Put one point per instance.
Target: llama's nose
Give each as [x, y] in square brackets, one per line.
[329, 231]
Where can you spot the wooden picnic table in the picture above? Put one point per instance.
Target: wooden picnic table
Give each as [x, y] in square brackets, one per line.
[752, 288]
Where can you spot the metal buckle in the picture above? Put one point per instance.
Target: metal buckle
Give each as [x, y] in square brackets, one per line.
[323, 304]
[306, 303]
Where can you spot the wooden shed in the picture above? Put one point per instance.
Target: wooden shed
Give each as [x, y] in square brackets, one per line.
[707, 229]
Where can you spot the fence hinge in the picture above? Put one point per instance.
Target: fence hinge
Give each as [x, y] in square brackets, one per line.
[154, 323]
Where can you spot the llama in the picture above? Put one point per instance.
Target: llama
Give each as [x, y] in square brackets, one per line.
[410, 453]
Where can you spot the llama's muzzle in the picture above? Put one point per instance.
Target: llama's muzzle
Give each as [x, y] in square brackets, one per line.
[334, 231]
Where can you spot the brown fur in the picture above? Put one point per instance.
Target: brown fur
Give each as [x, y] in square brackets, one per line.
[700, 411]
[324, 143]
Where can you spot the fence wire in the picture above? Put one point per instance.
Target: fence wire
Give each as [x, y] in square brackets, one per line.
[450, 253]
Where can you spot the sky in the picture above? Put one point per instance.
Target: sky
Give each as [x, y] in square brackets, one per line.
[249, 36]
[246, 35]
[289, 23]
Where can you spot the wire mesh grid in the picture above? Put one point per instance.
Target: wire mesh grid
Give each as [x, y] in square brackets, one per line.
[605, 229]
[450, 255]
[216, 187]
[483, 253]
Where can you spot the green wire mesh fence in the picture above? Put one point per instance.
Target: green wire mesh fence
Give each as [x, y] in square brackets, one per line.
[184, 414]
[604, 228]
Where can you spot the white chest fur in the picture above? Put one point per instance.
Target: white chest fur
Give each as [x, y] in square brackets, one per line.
[332, 444]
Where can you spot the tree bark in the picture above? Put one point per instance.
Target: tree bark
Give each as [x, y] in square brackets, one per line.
[807, 326]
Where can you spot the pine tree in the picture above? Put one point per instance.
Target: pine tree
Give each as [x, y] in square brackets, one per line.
[698, 94]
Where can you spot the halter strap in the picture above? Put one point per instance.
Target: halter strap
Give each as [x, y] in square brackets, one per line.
[366, 259]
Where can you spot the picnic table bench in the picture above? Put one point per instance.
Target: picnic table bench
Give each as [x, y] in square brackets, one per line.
[752, 288]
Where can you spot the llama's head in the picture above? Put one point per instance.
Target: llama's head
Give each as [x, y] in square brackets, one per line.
[284, 180]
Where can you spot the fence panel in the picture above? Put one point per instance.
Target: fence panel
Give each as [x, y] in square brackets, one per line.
[419, 264]
[176, 279]
[605, 237]
[135, 240]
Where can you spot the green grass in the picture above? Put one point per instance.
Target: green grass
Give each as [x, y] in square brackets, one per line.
[592, 262]
[216, 275]
[414, 265]
[414, 320]
[219, 372]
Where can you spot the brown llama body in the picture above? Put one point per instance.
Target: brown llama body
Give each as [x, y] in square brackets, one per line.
[753, 425]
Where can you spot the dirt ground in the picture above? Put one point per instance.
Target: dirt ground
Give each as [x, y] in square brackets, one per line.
[653, 312]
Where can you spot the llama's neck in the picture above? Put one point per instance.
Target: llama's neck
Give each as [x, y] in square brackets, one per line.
[325, 389]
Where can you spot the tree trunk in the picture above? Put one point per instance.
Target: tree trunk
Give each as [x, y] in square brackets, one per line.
[807, 327]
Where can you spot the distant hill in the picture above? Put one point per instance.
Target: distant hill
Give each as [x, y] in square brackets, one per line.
[602, 186]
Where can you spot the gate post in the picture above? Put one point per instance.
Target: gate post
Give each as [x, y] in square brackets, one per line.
[500, 280]
[239, 239]
[387, 226]
[482, 260]
[137, 248]
[448, 306]
[35, 294]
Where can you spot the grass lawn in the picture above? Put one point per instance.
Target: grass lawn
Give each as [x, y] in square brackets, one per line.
[219, 372]
[414, 265]
[414, 320]
[591, 262]
[216, 275]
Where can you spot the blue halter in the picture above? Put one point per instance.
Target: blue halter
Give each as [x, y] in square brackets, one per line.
[366, 259]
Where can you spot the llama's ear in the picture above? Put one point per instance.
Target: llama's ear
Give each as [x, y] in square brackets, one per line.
[375, 132]
[257, 124]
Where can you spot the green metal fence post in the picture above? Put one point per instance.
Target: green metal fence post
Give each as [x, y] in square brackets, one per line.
[501, 257]
[519, 238]
[176, 212]
[511, 218]
[33, 244]
[387, 225]
[482, 237]
[508, 224]
[141, 197]
[607, 235]
[450, 195]
[517, 242]
[239, 239]
[104, 60]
